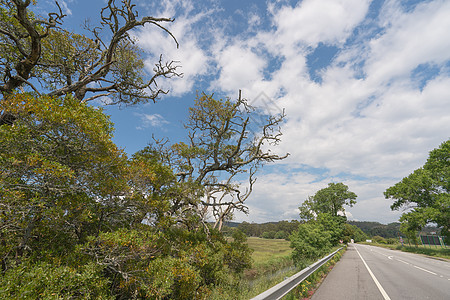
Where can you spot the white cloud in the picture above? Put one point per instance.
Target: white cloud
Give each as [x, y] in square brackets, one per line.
[151, 120]
[314, 21]
[239, 67]
[193, 60]
[411, 39]
[377, 129]
[368, 123]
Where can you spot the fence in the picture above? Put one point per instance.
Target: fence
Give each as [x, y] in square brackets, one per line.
[432, 240]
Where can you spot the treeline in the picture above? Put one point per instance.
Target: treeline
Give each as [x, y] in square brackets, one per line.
[391, 230]
[270, 230]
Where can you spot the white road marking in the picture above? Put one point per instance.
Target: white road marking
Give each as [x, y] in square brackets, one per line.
[390, 257]
[403, 261]
[424, 270]
[383, 292]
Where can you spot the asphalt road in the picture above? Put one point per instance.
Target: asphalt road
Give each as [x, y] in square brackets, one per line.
[368, 272]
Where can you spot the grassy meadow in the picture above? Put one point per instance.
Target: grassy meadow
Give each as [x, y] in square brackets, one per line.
[272, 263]
[268, 249]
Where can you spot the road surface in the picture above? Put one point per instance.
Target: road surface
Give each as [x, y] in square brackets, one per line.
[368, 272]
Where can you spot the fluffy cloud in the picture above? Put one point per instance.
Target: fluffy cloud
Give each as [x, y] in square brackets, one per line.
[411, 39]
[314, 21]
[381, 105]
[376, 128]
[190, 56]
[150, 120]
[239, 67]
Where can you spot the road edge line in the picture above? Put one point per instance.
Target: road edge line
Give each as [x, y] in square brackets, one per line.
[377, 283]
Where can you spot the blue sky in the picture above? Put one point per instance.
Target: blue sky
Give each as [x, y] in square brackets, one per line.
[365, 86]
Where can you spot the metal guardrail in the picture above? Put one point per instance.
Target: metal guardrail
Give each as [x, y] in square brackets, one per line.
[281, 289]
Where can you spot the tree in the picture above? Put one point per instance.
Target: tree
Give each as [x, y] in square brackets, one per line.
[327, 200]
[310, 242]
[36, 50]
[74, 210]
[225, 143]
[315, 238]
[61, 177]
[353, 232]
[426, 192]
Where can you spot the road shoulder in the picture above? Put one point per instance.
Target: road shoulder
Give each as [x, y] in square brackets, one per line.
[349, 279]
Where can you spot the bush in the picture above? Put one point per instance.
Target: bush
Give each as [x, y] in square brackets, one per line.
[43, 280]
[378, 239]
[281, 235]
[310, 242]
[269, 234]
[392, 241]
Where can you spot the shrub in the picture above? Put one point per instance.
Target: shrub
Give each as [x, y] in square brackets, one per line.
[43, 280]
[378, 239]
[281, 235]
[310, 242]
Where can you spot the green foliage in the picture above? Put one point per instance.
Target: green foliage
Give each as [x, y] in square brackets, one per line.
[281, 235]
[379, 239]
[106, 63]
[83, 221]
[316, 237]
[428, 190]
[269, 234]
[327, 200]
[310, 242]
[58, 164]
[306, 288]
[334, 225]
[238, 255]
[353, 232]
[254, 229]
[43, 280]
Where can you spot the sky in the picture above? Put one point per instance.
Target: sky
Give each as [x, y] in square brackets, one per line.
[365, 86]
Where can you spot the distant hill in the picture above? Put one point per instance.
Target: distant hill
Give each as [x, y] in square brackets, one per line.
[391, 230]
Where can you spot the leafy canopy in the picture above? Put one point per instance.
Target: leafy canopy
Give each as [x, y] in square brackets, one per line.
[329, 200]
[75, 211]
[426, 192]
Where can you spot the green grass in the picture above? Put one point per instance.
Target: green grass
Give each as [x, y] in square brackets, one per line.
[272, 263]
[266, 250]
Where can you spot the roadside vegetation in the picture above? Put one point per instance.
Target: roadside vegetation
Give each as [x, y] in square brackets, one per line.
[323, 225]
[307, 287]
[425, 194]
[272, 263]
